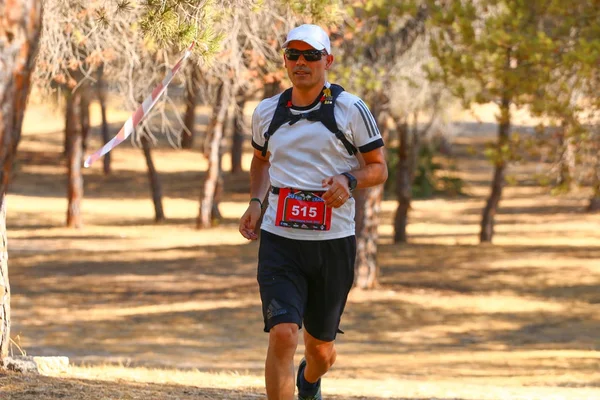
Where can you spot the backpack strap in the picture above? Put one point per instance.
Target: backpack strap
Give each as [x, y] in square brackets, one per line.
[281, 116]
[327, 116]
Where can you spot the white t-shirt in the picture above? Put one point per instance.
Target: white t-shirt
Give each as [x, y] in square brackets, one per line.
[305, 153]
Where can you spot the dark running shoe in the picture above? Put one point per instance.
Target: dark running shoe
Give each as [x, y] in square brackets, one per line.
[316, 396]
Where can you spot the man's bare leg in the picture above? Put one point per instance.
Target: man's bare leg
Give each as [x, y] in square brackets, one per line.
[279, 367]
[320, 356]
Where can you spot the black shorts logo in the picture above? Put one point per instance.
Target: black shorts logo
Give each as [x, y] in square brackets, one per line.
[275, 309]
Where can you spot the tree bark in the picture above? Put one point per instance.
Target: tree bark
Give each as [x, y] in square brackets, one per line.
[216, 215]
[271, 89]
[595, 199]
[239, 133]
[567, 159]
[154, 179]
[74, 135]
[20, 27]
[101, 93]
[594, 205]
[85, 114]
[415, 147]
[403, 184]
[4, 285]
[491, 207]
[192, 95]
[408, 159]
[206, 214]
[368, 205]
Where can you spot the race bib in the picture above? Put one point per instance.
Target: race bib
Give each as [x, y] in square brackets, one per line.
[302, 210]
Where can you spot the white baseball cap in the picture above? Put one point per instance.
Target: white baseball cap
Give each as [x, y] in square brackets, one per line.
[311, 34]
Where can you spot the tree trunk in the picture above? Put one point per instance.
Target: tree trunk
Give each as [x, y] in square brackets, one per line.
[154, 179]
[101, 93]
[85, 114]
[272, 89]
[192, 95]
[408, 159]
[216, 215]
[403, 184]
[4, 285]
[20, 29]
[594, 205]
[368, 205]
[595, 200]
[207, 200]
[74, 136]
[566, 161]
[491, 207]
[415, 147]
[239, 133]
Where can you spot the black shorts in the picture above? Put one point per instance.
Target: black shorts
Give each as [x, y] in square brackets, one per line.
[305, 281]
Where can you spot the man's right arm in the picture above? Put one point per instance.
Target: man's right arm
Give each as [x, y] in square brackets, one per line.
[259, 184]
[259, 175]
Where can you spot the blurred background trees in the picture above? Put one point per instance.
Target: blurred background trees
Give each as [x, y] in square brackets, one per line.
[20, 27]
[535, 55]
[372, 43]
[412, 61]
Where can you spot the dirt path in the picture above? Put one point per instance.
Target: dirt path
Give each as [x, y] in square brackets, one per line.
[168, 312]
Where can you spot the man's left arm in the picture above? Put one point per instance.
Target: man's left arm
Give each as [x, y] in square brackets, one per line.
[373, 172]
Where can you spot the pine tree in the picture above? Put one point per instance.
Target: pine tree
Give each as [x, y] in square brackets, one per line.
[494, 51]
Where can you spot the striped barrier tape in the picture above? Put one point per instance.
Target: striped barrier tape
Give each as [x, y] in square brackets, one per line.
[140, 113]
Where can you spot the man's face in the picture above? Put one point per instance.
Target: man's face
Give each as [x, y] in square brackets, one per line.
[307, 74]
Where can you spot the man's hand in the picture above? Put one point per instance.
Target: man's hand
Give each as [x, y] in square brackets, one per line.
[338, 192]
[249, 220]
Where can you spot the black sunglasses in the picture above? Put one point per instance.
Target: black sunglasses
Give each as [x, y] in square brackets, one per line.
[309, 55]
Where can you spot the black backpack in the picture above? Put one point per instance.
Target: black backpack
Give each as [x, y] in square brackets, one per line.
[324, 114]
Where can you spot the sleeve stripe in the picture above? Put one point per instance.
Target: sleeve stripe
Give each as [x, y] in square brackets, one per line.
[257, 146]
[367, 118]
[370, 114]
[364, 118]
[371, 146]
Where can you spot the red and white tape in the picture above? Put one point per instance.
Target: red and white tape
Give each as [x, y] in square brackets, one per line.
[140, 113]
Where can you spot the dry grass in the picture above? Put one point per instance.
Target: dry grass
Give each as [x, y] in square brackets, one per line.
[149, 311]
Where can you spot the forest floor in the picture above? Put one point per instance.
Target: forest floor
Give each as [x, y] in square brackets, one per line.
[147, 311]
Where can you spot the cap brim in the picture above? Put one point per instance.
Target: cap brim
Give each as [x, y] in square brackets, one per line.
[316, 45]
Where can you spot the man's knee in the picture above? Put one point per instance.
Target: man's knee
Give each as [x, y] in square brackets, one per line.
[283, 338]
[322, 353]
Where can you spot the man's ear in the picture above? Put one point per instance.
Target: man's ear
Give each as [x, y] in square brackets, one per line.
[329, 61]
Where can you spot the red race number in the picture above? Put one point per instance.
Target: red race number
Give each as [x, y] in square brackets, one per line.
[302, 210]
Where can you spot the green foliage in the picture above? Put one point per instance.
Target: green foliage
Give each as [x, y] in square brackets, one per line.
[425, 181]
[539, 54]
[181, 22]
[205, 22]
[318, 11]
[162, 25]
[511, 180]
[372, 44]
[562, 188]
[376, 19]
[431, 177]
[510, 150]
[359, 81]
